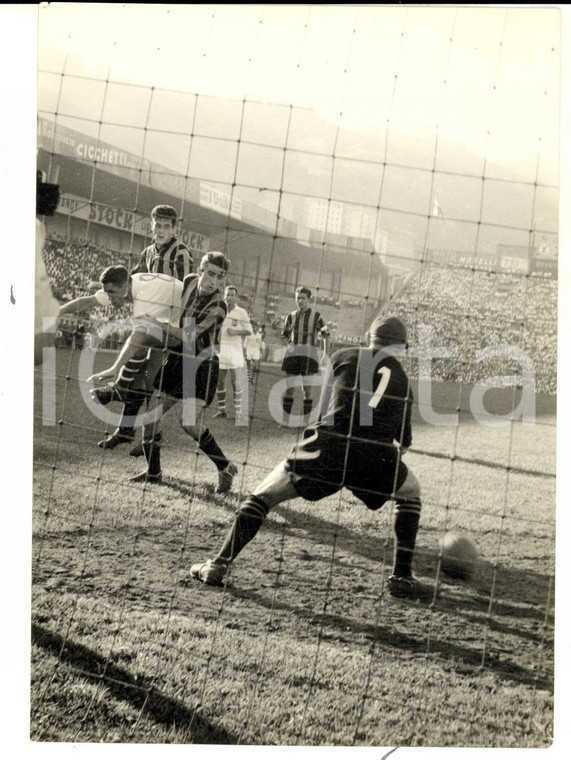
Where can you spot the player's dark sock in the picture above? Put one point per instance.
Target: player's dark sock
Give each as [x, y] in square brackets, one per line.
[152, 450]
[407, 518]
[307, 407]
[133, 403]
[287, 404]
[248, 521]
[207, 444]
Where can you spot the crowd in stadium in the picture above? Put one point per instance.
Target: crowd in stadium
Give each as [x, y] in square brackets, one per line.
[71, 265]
[473, 310]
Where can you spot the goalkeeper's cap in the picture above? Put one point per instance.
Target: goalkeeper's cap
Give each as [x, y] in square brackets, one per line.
[164, 212]
[388, 331]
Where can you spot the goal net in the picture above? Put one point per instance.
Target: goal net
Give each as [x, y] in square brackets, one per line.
[398, 161]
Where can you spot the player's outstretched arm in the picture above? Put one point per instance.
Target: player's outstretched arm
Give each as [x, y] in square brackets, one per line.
[84, 303]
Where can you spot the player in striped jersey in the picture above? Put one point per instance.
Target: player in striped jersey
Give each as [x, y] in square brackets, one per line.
[165, 255]
[190, 373]
[363, 429]
[302, 330]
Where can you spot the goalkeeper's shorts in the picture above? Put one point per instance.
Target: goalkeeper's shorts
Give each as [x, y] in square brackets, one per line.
[324, 461]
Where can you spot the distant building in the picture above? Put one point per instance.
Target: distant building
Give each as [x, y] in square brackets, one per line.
[343, 219]
[323, 215]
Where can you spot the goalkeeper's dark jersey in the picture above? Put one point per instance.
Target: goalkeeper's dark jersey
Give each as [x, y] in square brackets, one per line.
[367, 396]
[365, 407]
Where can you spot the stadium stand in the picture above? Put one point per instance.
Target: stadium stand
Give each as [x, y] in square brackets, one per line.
[71, 264]
[471, 310]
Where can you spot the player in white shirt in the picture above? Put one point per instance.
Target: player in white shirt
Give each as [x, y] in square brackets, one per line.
[235, 327]
[166, 256]
[156, 309]
[253, 347]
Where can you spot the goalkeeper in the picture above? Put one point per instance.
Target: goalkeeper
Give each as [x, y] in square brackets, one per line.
[362, 431]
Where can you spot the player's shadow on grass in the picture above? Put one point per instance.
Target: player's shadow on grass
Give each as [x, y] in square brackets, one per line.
[205, 491]
[499, 626]
[139, 693]
[460, 658]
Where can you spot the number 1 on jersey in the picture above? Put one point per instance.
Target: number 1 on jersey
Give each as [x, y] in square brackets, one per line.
[385, 373]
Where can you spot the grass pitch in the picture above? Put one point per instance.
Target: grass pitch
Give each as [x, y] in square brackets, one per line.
[302, 646]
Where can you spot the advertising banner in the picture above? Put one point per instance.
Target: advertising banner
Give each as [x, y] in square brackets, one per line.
[121, 219]
[219, 201]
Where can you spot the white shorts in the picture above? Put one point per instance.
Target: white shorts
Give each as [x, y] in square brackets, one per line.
[231, 357]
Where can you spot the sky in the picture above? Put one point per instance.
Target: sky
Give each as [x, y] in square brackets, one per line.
[488, 77]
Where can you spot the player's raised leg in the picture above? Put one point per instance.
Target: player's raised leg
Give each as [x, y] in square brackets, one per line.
[130, 364]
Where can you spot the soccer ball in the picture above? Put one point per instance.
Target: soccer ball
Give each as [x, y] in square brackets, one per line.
[459, 556]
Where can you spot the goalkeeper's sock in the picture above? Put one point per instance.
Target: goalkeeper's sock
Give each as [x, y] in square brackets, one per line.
[407, 519]
[248, 521]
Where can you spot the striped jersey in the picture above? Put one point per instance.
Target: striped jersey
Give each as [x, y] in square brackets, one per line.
[302, 327]
[172, 258]
[207, 313]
